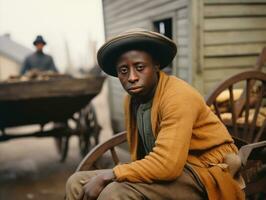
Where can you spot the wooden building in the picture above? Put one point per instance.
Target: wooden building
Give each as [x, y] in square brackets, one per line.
[12, 55]
[215, 38]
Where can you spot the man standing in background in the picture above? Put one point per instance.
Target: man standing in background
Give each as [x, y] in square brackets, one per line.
[38, 60]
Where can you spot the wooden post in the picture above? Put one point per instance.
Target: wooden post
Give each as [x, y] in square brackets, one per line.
[196, 44]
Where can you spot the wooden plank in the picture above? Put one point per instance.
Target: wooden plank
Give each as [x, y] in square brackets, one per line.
[233, 50]
[183, 73]
[234, 10]
[182, 50]
[234, 37]
[182, 62]
[201, 46]
[182, 23]
[182, 28]
[132, 8]
[230, 62]
[243, 23]
[110, 5]
[182, 41]
[232, 1]
[114, 31]
[182, 13]
[209, 86]
[214, 75]
[182, 32]
[142, 15]
[194, 28]
[146, 24]
[197, 69]
[58, 87]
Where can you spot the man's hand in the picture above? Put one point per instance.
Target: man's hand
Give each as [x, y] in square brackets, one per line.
[93, 188]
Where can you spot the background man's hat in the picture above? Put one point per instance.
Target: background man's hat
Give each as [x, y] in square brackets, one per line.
[160, 47]
[39, 39]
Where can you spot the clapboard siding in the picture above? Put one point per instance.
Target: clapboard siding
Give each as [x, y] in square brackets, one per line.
[182, 13]
[135, 9]
[182, 50]
[212, 75]
[238, 23]
[114, 8]
[183, 73]
[234, 50]
[235, 37]
[139, 24]
[234, 34]
[182, 41]
[209, 2]
[142, 14]
[182, 62]
[234, 10]
[230, 62]
[212, 78]
[140, 7]
[182, 28]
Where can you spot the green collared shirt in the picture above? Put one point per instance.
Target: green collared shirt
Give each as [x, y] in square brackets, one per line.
[144, 127]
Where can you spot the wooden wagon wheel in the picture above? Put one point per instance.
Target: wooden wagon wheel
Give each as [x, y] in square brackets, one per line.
[89, 161]
[62, 141]
[245, 115]
[245, 118]
[62, 147]
[88, 128]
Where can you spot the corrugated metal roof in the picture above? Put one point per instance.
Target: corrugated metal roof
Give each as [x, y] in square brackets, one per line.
[12, 49]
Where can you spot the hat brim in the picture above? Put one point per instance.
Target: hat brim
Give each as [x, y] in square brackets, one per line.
[160, 47]
[39, 41]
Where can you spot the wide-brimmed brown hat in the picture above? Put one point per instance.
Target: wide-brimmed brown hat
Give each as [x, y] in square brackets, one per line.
[162, 49]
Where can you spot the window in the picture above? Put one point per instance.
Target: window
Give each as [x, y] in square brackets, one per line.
[164, 27]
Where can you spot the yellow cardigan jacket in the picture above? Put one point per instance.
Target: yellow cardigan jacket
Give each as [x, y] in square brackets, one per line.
[186, 130]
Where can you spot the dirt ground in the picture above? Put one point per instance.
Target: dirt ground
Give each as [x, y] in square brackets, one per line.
[30, 167]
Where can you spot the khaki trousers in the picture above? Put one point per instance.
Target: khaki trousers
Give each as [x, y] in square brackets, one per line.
[186, 187]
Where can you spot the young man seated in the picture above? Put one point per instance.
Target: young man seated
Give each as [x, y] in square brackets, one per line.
[177, 145]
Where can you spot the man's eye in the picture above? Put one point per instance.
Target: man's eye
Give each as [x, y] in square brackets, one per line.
[139, 67]
[123, 70]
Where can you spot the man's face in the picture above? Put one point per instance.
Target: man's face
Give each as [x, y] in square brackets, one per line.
[138, 73]
[39, 46]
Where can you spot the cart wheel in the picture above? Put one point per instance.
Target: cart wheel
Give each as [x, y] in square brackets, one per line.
[61, 141]
[62, 147]
[89, 129]
[84, 144]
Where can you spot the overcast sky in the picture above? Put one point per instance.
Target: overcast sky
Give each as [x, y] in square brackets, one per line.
[75, 22]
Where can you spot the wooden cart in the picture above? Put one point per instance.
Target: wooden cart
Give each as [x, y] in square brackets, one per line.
[58, 100]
